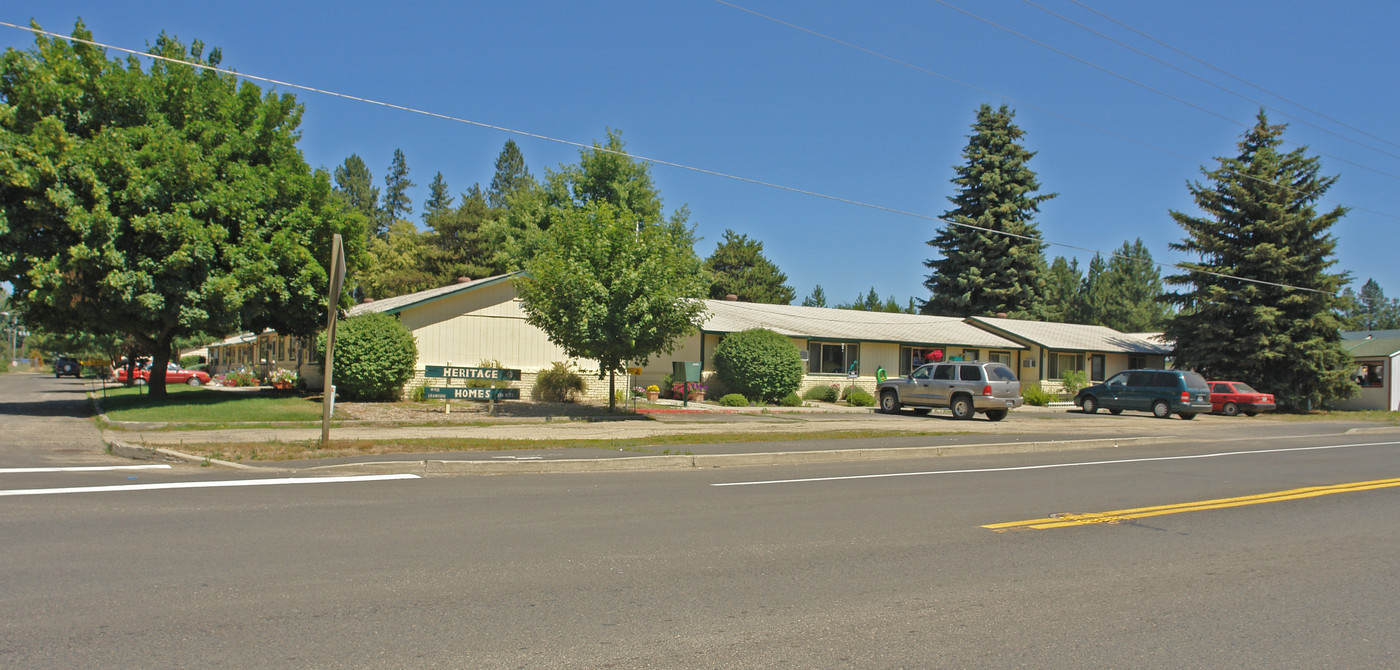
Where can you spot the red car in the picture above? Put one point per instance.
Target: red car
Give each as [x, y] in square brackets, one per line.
[1232, 398]
[174, 374]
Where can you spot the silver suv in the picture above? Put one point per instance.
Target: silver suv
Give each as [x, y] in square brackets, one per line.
[965, 387]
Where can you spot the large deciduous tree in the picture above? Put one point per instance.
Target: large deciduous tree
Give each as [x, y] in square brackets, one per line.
[611, 280]
[992, 257]
[740, 268]
[159, 203]
[1260, 306]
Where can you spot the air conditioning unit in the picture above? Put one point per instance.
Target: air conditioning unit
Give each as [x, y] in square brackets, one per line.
[806, 355]
[1028, 363]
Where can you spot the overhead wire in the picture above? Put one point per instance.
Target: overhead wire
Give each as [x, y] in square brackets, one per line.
[1203, 80]
[657, 161]
[1021, 103]
[1238, 78]
[1139, 84]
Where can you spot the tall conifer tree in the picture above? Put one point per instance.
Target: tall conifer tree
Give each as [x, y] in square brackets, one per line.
[994, 261]
[397, 204]
[739, 267]
[1279, 332]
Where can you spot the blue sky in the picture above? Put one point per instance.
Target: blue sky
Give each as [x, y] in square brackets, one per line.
[705, 84]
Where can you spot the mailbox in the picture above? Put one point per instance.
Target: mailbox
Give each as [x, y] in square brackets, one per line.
[685, 371]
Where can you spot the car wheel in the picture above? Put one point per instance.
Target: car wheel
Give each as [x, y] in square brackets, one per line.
[1090, 405]
[996, 414]
[1187, 415]
[889, 402]
[194, 381]
[962, 407]
[1161, 409]
[1230, 409]
[1251, 413]
[1115, 412]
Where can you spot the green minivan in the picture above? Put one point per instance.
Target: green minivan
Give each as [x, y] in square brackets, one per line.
[1162, 392]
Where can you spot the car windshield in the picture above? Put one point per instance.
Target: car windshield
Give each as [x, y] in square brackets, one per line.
[1195, 381]
[1241, 387]
[1001, 373]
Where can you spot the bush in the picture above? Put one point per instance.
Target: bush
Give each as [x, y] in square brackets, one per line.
[558, 384]
[375, 356]
[824, 393]
[666, 385]
[192, 362]
[791, 400]
[734, 400]
[859, 398]
[1073, 381]
[759, 363]
[1034, 395]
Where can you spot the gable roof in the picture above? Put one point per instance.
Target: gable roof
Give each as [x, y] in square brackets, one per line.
[399, 303]
[1372, 334]
[1074, 336]
[1370, 348]
[823, 323]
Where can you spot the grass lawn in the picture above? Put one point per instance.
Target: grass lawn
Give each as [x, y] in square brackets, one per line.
[188, 404]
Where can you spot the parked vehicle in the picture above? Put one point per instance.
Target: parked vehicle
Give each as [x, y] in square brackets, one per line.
[1162, 392]
[174, 374]
[67, 365]
[1232, 398]
[965, 387]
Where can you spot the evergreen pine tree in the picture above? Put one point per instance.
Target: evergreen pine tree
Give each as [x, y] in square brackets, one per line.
[1279, 332]
[1064, 291]
[993, 261]
[397, 204]
[356, 187]
[511, 176]
[438, 199]
[816, 299]
[1371, 310]
[740, 268]
[1132, 291]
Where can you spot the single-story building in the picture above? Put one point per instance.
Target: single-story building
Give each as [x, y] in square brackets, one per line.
[1056, 348]
[1376, 354]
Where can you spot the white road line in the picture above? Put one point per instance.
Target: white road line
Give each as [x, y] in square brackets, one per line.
[94, 468]
[202, 485]
[1054, 465]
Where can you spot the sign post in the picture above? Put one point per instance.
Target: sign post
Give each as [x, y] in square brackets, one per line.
[337, 281]
[450, 393]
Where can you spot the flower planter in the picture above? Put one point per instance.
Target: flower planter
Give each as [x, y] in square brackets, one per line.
[282, 386]
[653, 395]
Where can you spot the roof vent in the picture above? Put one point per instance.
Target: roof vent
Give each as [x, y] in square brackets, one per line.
[464, 280]
[367, 301]
[1001, 315]
[732, 298]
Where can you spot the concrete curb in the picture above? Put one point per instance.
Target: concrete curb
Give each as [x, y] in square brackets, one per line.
[705, 461]
[143, 453]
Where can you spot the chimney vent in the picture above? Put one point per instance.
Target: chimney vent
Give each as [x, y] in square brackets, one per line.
[732, 298]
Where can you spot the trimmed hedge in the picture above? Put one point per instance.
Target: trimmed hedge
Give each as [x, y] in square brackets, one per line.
[759, 363]
[859, 398]
[734, 400]
[375, 356]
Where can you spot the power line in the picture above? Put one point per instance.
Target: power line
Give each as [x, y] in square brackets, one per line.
[1139, 84]
[1022, 103]
[1203, 80]
[1238, 78]
[656, 161]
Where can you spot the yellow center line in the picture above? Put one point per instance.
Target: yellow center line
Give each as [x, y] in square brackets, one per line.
[1117, 516]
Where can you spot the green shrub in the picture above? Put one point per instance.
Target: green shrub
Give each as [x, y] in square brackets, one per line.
[759, 363]
[558, 384]
[824, 393]
[1034, 395]
[192, 362]
[1073, 381]
[666, 385]
[375, 356]
[859, 398]
[418, 394]
[734, 400]
[791, 400]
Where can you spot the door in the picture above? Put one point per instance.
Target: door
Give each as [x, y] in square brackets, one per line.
[1096, 367]
[941, 383]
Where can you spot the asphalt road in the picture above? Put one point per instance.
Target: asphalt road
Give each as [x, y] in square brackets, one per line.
[869, 565]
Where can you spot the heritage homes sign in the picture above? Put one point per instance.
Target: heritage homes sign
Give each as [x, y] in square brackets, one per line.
[451, 373]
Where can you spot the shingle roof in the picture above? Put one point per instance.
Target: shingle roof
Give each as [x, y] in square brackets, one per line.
[1376, 346]
[849, 325]
[399, 303]
[1076, 337]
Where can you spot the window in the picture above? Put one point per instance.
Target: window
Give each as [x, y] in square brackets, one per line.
[912, 357]
[970, 373]
[1370, 375]
[1059, 364]
[945, 372]
[920, 373]
[971, 354]
[1003, 357]
[829, 358]
[1096, 367]
[1136, 361]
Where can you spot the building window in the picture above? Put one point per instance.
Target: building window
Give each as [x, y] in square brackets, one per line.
[1059, 364]
[1370, 375]
[1137, 361]
[1003, 357]
[971, 354]
[912, 357]
[834, 358]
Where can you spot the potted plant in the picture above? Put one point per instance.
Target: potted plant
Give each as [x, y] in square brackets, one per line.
[653, 392]
[282, 379]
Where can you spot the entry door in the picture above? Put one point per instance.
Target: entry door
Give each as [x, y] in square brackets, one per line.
[1096, 368]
